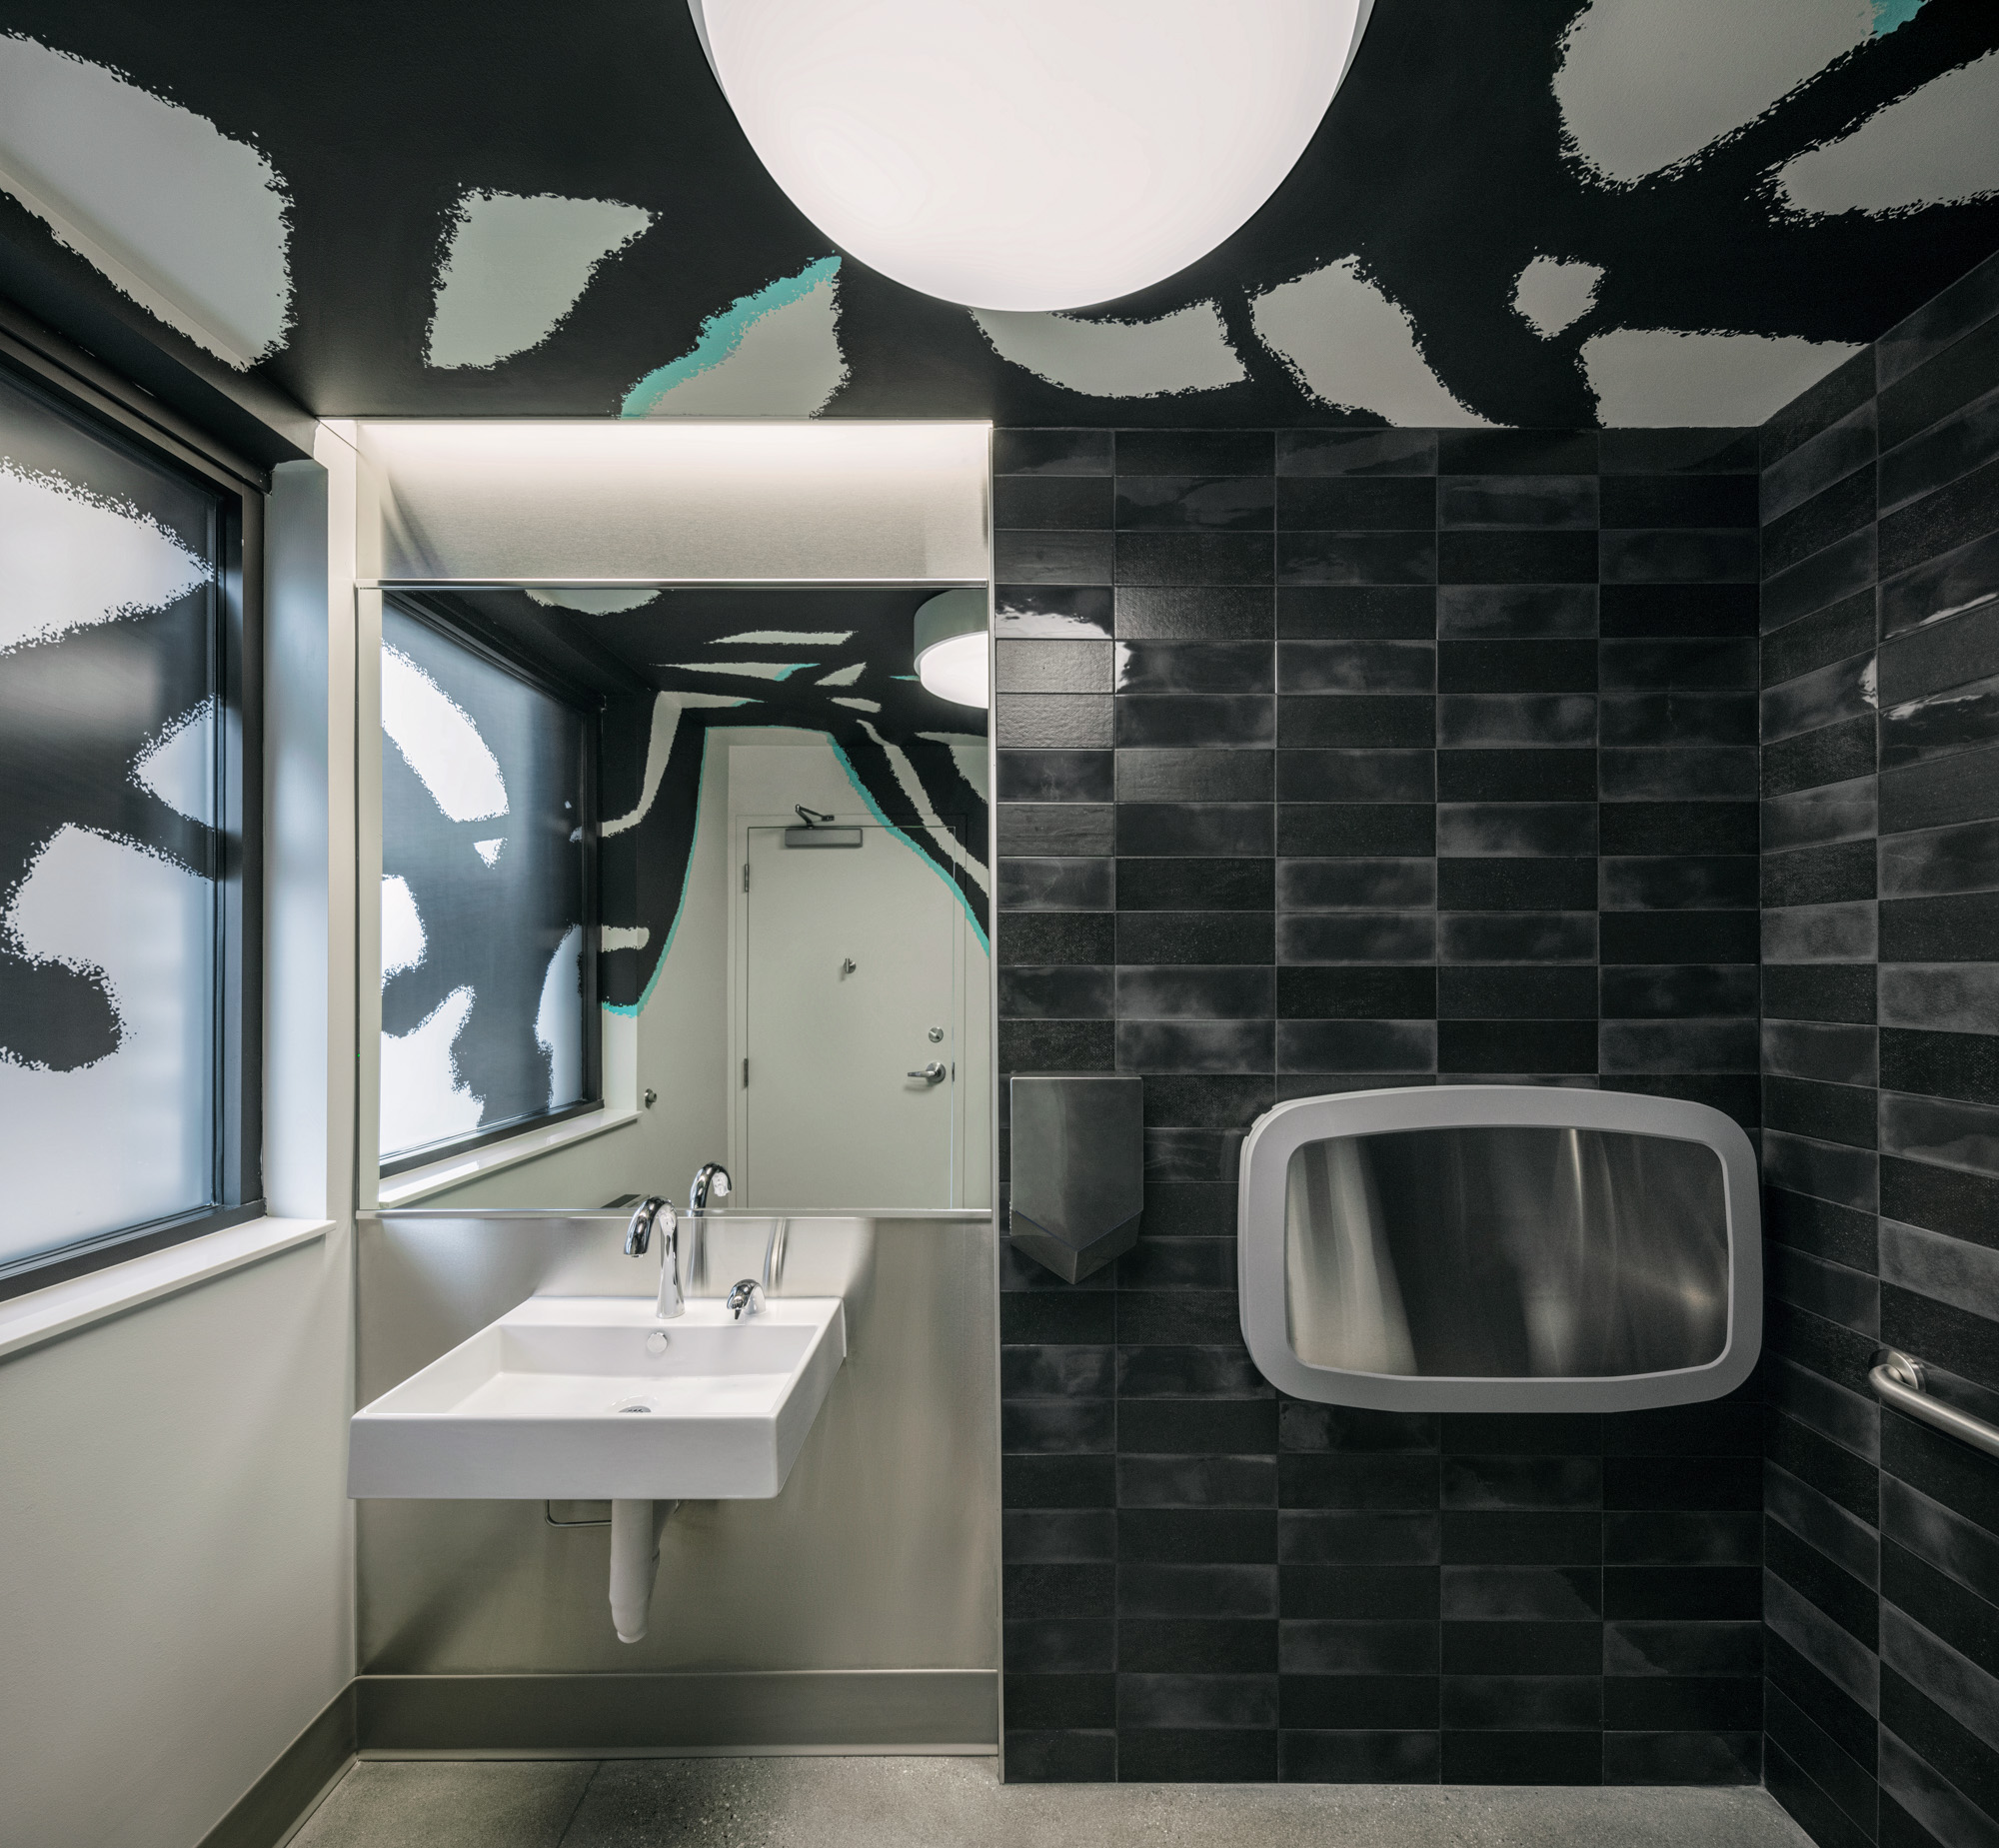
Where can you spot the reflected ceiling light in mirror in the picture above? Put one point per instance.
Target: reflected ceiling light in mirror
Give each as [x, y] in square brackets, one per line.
[950, 646]
[1028, 154]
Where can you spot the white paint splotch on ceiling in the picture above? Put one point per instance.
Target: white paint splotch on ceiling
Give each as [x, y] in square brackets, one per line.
[1938, 145]
[178, 216]
[1643, 84]
[772, 353]
[1351, 348]
[1185, 351]
[515, 266]
[70, 557]
[1667, 378]
[439, 742]
[1553, 293]
[559, 1021]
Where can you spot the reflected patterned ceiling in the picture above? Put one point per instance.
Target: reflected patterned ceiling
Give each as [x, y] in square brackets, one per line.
[1549, 212]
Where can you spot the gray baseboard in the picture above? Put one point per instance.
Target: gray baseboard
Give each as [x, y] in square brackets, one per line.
[677, 1716]
[275, 1804]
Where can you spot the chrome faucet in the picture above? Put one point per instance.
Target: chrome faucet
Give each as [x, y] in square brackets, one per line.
[651, 1211]
[712, 1181]
[746, 1297]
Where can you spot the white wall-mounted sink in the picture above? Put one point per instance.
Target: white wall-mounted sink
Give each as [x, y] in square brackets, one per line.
[594, 1398]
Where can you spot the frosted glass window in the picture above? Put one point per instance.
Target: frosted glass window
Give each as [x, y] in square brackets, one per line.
[488, 971]
[112, 853]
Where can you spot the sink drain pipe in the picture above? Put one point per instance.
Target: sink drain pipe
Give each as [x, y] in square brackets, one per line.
[636, 1527]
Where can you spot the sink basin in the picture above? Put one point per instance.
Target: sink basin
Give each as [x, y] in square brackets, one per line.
[565, 1398]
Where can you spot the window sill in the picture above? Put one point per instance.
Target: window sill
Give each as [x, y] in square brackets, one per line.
[417, 1183]
[46, 1314]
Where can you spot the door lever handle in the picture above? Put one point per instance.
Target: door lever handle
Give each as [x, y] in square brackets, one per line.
[932, 1073]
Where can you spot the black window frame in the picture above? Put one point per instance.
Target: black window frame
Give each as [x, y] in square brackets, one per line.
[108, 407]
[429, 606]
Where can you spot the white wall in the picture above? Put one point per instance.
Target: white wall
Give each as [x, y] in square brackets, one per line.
[175, 1600]
[176, 1553]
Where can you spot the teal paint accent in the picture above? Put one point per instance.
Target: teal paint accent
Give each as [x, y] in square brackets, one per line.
[873, 809]
[901, 676]
[721, 334]
[796, 667]
[680, 911]
[1888, 14]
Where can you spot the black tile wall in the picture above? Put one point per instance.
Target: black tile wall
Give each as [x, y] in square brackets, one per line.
[1328, 761]
[1880, 884]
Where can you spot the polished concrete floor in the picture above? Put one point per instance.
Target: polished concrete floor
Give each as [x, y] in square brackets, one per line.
[948, 1802]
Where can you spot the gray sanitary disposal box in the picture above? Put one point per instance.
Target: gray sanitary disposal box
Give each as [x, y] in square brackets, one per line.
[1078, 1170]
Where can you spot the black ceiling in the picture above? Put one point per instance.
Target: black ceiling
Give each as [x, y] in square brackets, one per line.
[1440, 168]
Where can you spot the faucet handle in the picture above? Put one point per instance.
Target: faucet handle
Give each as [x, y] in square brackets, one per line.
[639, 1230]
[746, 1297]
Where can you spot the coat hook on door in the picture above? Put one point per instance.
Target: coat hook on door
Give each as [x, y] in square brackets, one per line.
[847, 966]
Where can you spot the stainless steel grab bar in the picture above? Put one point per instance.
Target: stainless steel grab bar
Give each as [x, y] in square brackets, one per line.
[1899, 1381]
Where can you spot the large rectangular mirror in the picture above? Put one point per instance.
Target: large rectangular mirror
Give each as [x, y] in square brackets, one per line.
[676, 872]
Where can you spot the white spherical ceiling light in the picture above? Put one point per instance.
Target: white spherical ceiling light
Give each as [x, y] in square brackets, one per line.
[1028, 154]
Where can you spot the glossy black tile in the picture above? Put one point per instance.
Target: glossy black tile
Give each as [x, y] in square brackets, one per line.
[1055, 885]
[1054, 827]
[1516, 885]
[1356, 503]
[1198, 1645]
[1356, 1045]
[1528, 937]
[1197, 774]
[1356, 884]
[1507, 1047]
[1209, 503]
[1497, 556]
[1717, 451]
[1634, 609]
[1523, 1757]
[1196, 452]
[1679, 500]
[1241, 829]
[1516, 452]
[1194, 720]
[1516, 611]
[1368, 613]
[1560, 501]
[1063, 991]
[1194, 885]
[1836, 633]
[1052, 452]
[1335, 721]
[1196, 936]
[1356, 829]
[1053, 558]
[1356, 776]
[1517, 776]
[1315, 1479]
[1357, 558]
[1829, 516]
[1062, 721]
[1356, 666]
[1193, 558]
[1516, 991]
[1356, 452]
[1541, 665]
[1348, 992]
[1216, 993]
[1054, 776]
[1520, 718]
[1051, 502]
[1674, 936]
[1191, 667]
[1356, 937]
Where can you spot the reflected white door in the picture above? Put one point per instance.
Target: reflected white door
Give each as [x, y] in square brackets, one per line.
[851, 985]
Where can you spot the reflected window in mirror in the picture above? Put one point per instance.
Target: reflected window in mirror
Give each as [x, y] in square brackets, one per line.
[488, 903]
